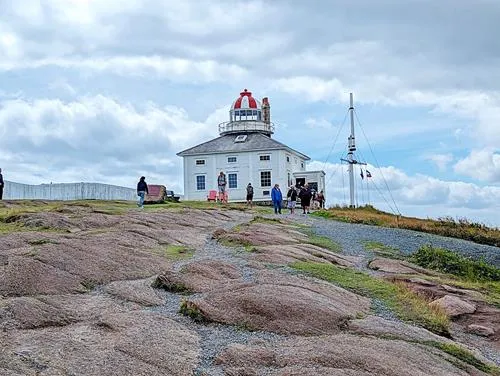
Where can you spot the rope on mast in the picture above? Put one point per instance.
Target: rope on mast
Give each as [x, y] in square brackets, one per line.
[376, 161]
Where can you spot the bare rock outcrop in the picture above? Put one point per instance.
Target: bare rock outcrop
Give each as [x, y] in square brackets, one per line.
[284, 305]
[137, 343]
[340, 354]
[198, 276]
[453, 305]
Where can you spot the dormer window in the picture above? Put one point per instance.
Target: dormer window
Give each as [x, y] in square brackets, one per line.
[240, 138]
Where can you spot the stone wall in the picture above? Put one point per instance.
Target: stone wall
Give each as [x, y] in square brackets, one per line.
[67, 191]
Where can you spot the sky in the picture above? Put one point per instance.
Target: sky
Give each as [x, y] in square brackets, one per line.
[109, 90]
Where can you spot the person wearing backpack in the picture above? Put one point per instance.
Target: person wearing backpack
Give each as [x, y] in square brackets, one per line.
[249, 194]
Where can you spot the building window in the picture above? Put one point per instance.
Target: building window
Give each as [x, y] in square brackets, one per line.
[200, 162]
[302, 165]
[231, 159]
[265, 157]
[265, 178]
[232, 180]
[288, 158]
[265, 193]
[200, 182]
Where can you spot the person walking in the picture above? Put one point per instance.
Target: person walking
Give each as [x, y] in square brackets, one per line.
[277, 198]
[1, 184]
[321, 199]
[292, 199]
[305, 198]
[142, 190]
[221, 184]
[249, 194]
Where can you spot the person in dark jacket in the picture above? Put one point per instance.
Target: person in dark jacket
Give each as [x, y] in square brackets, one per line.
[292, 199]
[249, 194]
[305, 198]
[277, 198]
[142, 190]
[1, 184]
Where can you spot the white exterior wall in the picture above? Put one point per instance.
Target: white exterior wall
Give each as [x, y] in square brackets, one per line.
[248, 167]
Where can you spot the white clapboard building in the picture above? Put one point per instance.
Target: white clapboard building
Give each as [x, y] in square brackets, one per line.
[246, 152]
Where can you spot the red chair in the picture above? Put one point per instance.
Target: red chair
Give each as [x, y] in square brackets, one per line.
[212, 196]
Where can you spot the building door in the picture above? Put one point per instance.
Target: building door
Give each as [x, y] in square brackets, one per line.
[300, 182]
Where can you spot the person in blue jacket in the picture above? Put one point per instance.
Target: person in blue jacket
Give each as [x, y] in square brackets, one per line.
[277, 198]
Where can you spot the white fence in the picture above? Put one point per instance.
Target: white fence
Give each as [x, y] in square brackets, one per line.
[67, 191]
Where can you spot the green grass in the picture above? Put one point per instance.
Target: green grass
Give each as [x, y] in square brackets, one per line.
[380, 249]
[449, 262]
[324, 242]
[191, 310]
[407, 305]
[176, 252]
[464, 356]
[42, 241]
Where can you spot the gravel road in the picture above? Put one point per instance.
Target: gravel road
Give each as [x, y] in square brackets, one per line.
[352, 237]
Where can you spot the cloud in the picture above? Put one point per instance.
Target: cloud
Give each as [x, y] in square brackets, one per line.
[483, 165]
[96, 139]
[440, 160]
[406, 190]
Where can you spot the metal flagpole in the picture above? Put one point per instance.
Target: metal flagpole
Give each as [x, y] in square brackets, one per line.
[350, 155]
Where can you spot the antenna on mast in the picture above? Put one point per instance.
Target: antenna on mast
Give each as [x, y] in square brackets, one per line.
[351, 148]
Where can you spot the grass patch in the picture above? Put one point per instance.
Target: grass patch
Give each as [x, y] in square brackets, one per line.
[383, 250]
[191, 310]
[446, 226]
[406, 304]
[324, 242]
[176, 252]
[320, 241]
[175, 287]
[464, 356]
[42, 241]
[449, 262]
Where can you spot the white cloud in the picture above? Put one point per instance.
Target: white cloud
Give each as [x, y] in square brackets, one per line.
[440, 160]
[483, 165]
[174, 69]
[318, 123]
[408, 191]
[96, 139]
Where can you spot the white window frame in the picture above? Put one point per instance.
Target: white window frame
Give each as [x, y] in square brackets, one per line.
[265, 157]
[204, 182]
[270, 179]
[200, 162]
[235, 159]
[229, 180]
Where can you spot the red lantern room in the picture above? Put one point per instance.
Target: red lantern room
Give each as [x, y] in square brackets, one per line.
[248, 115]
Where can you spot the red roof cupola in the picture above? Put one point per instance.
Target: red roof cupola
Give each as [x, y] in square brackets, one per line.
[246, 101]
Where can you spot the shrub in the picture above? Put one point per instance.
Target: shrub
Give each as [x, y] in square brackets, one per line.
[450, 262]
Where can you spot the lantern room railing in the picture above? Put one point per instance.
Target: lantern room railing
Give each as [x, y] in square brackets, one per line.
[245, 126]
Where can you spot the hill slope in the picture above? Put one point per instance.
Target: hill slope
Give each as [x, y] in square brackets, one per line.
[93, 288]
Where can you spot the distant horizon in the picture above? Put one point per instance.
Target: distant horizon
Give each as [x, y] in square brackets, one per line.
[328, 206]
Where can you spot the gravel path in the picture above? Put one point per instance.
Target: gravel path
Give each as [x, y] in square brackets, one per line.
[352, 236]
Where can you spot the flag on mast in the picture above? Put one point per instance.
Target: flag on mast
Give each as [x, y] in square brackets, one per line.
[368, 174]
[362, 176]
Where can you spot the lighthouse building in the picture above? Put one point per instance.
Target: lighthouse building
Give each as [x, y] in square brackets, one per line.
[246, 152]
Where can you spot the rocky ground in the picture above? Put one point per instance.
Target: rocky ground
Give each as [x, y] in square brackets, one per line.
[210, 292]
